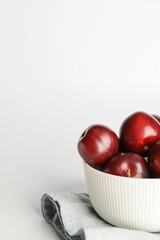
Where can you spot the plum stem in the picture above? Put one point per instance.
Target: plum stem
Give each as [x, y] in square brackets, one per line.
[128, 172]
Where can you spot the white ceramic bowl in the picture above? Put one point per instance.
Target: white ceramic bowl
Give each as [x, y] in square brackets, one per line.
[125, 202]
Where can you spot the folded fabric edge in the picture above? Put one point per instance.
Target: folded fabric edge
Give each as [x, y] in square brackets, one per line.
[51, 213]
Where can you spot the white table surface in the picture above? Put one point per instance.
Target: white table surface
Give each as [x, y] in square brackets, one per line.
[21, 191]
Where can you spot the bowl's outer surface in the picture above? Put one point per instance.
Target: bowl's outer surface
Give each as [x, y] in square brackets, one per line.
[125, 202]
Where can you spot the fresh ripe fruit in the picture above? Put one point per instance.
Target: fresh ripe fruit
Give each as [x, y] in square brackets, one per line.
[156, 117]
[97, 144]
[139, 132]
[154, 159]
[127, 165]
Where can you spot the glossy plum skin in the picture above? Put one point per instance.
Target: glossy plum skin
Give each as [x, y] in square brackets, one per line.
[154, 159]
[97, 144]
[127, 165]
[138, 133]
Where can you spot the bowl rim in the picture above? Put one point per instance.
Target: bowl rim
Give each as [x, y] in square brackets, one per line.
[119, 177]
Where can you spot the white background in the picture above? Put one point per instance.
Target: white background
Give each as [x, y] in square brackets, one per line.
[65, 65]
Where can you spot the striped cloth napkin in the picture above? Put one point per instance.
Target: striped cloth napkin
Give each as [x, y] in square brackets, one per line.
[73, 217]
